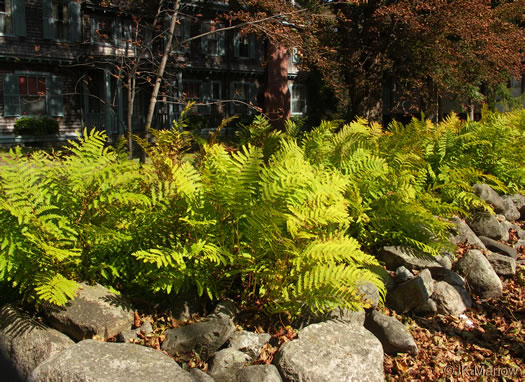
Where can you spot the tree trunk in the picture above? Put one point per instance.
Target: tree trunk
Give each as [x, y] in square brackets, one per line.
[162, 66]
[276, 95]
[131, 99]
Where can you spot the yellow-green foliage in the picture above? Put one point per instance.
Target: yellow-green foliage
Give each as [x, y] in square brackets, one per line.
[277, 229]
[64, 218]
[281, 222]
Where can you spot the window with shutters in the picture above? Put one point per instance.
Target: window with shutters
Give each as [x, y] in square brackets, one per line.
[60, 19]
[213, 43]
[6, 17]
[244, 45]
[31, 93]
[297, 100]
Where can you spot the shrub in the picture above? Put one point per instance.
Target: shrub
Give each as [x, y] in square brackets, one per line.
[36, 126]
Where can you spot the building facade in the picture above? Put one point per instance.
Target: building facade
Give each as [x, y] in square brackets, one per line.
[88, 65]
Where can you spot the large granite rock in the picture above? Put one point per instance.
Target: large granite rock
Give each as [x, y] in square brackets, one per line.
[94, 312]
[91, 360]
[480, 275]
[450, 299]
[249, 342]
[370, 294]
[258, 373]
[519, 203]
[393, 335]
[490, 196]
[496, 246]
[332, 352]
[510, 212]
[204, 337]
[485, 224]
[465, 234]
[27, 342]
[200, 376]
[451, 277]
[225, 364]
[410, 258]
[338, 314]
[412, 293]
[502, 265]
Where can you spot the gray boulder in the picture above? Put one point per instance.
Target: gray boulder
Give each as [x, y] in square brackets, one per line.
[410, 258]
[27, 342]
[490, 196]
[451, 277]
[393, 335]
[465, 234]
[402, 274]
[225, 364]
[480, 275]
[450, 299]
[249, 342]
[511, 212]
[496, 246]
[485, 224]
[205, 337]
[200, 376]
[91, 360]
[445, 259]
[429, 307]
[411, 293]
[332, 352]
[226, 308]
[519, 203]
[338, 314]
[129, 335]
[370, 294]
[502, 265]
[258, 373]
[94, 312]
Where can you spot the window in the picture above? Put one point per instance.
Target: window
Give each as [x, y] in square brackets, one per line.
[244, 45]
[296, 57]
[191, 90]
[61, 20]
[212, 44]
[12, 17]
[102, 30]
[216, 91]
[297, 100]
[28, 93]
[6, 20]
[32, 91]
[245, 92]
[182, 33]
